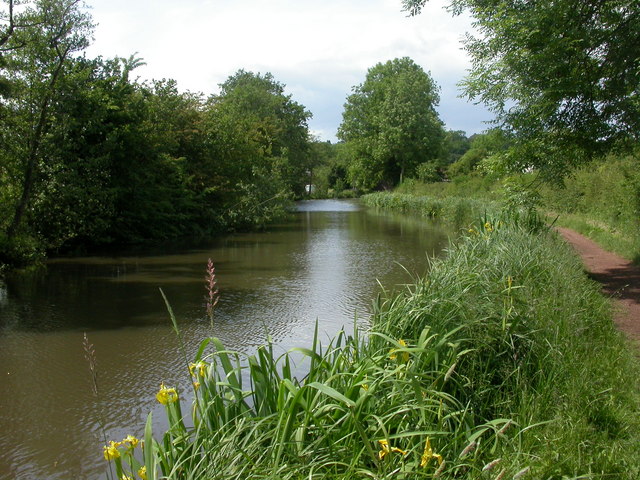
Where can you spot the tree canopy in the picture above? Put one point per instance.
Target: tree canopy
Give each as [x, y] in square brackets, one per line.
[391, 124]
[275, 123]
[562, 75]
[37, 44]
[91, 156]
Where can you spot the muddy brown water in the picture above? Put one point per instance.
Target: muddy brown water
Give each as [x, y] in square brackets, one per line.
[324, 264]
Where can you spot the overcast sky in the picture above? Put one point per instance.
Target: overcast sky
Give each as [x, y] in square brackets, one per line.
[319, 49]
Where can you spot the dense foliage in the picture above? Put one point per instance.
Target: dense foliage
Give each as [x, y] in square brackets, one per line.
[601, 201]
[390, 124]
[92, 156]
[562, 75]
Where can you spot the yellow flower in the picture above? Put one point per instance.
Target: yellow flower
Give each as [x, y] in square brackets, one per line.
[166, 395]
[428, 454]
[201, 367]
[405, 355]
[142, 472]
[386, 449]
[488, 227]
[131, 440]
[125, 477]
[111, 451]
[196, 385]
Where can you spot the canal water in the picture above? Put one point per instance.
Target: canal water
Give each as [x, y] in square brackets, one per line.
[326, 264]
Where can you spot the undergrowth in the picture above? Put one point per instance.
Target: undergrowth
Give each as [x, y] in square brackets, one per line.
[601, 201]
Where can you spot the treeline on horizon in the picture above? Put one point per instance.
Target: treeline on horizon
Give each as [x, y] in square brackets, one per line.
[92, 156]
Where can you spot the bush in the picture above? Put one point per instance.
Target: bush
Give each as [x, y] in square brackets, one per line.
[429, 172]
[19, 251]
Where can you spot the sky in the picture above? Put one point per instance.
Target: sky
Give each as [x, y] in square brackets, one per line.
[318, 49]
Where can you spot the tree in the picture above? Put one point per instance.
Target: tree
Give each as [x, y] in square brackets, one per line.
[486, 149]
[270, 130]
[562, 75]
[38, 48]
[390, 123]
[456, 144]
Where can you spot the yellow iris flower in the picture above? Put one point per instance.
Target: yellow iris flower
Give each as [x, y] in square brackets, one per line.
[131, 440]
[142, 472]
[111, 451]
[201, 367]
[385, 449]
[428, 454]
[166, 395]
[405, 355]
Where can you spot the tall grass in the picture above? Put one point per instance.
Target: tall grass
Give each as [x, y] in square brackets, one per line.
[456, 210]
[503, 362]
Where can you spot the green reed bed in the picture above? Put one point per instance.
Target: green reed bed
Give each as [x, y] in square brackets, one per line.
[502, 363]
[456, 210]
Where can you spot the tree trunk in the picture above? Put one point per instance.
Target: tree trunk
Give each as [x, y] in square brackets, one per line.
[34, 150]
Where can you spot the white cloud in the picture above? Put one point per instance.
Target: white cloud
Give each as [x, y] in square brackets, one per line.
[319, 49]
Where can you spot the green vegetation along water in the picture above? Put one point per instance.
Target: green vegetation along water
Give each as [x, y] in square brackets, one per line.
[502, 362]
[323, 264]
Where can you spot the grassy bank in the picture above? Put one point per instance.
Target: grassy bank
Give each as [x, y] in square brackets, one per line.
[601, 201]
[458, 211]
[502, 363]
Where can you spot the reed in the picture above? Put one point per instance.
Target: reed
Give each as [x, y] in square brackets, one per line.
[458, 211]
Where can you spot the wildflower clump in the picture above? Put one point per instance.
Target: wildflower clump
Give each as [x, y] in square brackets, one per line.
[130, 442]
[111, 451]
[121, 454]
[404, 356]
[198, 369]
[142, 472]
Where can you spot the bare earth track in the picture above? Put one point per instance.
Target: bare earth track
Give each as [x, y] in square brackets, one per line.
[620, 280]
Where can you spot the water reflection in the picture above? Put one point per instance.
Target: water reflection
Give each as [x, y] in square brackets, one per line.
[322, 265]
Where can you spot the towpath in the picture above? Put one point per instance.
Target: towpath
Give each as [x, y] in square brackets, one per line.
[620, 280]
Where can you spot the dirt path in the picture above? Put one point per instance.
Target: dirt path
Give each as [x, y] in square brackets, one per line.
[620, 280]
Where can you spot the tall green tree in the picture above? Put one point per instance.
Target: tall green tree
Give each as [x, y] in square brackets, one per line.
[456, 144]
[563, 75]
[486, 148]
[390, 123]
[257, 149]
[37, 52]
